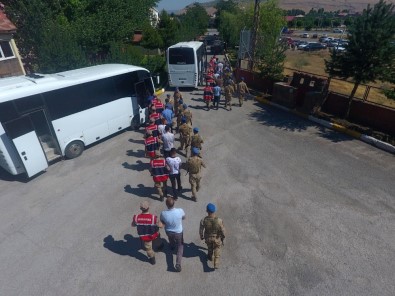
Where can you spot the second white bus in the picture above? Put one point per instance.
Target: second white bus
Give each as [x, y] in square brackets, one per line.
[45, 117]
[185, 64]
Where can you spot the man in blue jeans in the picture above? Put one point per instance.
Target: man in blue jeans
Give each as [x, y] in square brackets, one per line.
[172, 221]
[217, 95]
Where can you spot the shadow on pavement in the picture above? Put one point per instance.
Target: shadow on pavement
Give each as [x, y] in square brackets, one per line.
[192, 250]
[139, 166]
[142, 191]
[137, 153]
[129, 246]
[271, 116]
[136, 141]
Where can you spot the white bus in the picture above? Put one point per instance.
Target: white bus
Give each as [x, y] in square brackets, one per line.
[185, 64]
[45, 117]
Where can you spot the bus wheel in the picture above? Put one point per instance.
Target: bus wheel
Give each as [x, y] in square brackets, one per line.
[74, 149]
[135, 124]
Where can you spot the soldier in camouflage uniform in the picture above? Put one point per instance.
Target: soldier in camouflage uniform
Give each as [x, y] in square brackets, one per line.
[242, 90]
[229, 91]
[212, 230]
[196, 139]
[194, 167]
[180, 109]
[185, 131]
[187, 114]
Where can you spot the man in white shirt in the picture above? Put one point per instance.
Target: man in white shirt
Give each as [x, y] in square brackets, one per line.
[168, 141]
[172, 221]
[173, 165]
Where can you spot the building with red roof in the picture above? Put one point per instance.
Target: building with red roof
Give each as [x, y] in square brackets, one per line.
[10, 61]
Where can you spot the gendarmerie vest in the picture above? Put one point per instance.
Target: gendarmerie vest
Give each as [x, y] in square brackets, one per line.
[159, 171]
[154, 129]
[147, 227]
[151, 145]
[208, 93]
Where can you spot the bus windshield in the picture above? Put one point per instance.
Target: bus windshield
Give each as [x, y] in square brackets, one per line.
[181, 56]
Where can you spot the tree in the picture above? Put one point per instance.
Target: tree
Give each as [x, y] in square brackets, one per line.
[86, 29]
[152, 38]
[270, 51]
[369, 55]
[168, 27]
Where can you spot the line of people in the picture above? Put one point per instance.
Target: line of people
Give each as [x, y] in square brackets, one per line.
[219, 81]
[159, 134]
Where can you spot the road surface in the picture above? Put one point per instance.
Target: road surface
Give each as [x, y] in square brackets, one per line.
[308, 211]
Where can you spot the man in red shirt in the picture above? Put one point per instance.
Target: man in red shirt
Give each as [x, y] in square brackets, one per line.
[159, 174]
[148, 229]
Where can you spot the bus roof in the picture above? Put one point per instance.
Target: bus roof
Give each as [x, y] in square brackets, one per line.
[12, 88]
[190, 44]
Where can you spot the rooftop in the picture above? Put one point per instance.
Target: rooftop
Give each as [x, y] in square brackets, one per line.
[6, 26]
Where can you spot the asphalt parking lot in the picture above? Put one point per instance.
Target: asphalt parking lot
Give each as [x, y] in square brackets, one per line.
[308, 211]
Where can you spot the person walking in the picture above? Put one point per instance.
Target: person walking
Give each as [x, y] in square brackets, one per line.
[208, 95]
[179, 113]
[196, 139]
[194, 167]
[153, 128]
[212, 230]
[168, 141]
[229, 91]
[151, 145]
[187, 114]
[217, 95]
[185, 131]
[242, 90]
[159, 174]
[173, 164]
[172, 221]
[158, 104]
[168, 114]
[148, 230]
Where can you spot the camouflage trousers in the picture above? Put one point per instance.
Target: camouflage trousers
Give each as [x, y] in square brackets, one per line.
[162, 188]
[194, 180]
[228, 101]
[241, 98]
[214, 249]
[185, 142]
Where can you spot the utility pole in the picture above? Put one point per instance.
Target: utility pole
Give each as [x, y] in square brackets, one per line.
[254, 34]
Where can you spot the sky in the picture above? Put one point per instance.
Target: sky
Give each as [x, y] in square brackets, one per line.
[177, 4]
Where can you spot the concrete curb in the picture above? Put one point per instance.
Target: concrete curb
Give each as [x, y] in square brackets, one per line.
[335, 126]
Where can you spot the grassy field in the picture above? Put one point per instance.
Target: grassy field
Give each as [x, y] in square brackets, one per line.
[314, 62]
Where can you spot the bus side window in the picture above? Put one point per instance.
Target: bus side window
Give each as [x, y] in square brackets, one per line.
[7, 111]
[26, 104]
[64, 102]
[124, 85]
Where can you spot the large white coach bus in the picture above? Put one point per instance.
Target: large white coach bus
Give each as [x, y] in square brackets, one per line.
[45, 117]
[185, 64]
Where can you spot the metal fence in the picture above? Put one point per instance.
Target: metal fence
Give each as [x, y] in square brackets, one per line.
[365, 92]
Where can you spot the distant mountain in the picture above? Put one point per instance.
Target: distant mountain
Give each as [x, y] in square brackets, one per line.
[306, 5]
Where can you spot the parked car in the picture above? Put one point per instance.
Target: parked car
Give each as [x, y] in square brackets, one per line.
[312, 46]
[338, 31]
[217, 47]
[315, 35]
[302, 44]
[305, 35]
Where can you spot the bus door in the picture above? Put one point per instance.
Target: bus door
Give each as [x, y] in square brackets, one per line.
[142, 94]
[21, 132]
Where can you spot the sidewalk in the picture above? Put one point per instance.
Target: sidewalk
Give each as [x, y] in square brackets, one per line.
[335, 126]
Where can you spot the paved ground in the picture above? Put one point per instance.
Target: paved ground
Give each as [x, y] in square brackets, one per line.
[308, 212]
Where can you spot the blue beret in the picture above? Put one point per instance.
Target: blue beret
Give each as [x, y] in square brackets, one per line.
[211, 208]
[195, 150]
[180, 101]
[196, 129]
[183, 120]
[185, 106]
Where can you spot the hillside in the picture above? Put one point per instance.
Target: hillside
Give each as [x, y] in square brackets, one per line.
[328, 5]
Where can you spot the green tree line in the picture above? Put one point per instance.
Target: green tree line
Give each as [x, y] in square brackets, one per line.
[58, 35]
